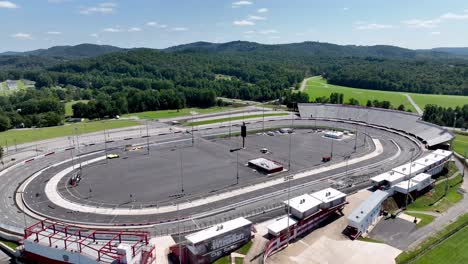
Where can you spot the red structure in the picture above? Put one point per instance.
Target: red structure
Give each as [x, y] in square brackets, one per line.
[50, 242]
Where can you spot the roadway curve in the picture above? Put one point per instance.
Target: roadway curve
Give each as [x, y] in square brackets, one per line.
[258, 203]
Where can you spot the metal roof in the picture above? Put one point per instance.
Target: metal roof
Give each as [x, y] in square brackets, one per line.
[281, 224]
[442, 152]
[405, 169]
[303, 203]
[266, 163]
[217, 230]
[390, 176]
[374, 200]
[328, 195]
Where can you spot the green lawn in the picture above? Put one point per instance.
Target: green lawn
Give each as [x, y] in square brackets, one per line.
[317, 87]
[178, 113]
[5, 91]
[460, 144]
[10, 244]
[69, 109]
[435, 200]
[443, 100]
[30, 135]
[425, 219]
[452, 250]
[227, 259]
[220, 120]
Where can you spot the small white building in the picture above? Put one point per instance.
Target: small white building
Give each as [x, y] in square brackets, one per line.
[280, 225]
[329, 197]
[418, 183]
[447, 153]
[388, 178]
[367, 213]
[303, 206]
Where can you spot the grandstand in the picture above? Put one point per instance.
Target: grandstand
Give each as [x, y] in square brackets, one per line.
[429, 134]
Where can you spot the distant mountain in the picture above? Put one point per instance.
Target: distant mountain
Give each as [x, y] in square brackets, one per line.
[309, 49]
[455, 51]
[68, 52]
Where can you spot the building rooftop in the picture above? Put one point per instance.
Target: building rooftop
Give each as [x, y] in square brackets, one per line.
[421, 177]
[217, 230]
[281, 224]
[303, 203]
[390, 176]
[442, 152]
[405, 169]
[328, 195]
[375, 199]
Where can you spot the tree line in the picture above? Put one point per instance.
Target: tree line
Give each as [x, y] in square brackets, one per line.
[446, 116]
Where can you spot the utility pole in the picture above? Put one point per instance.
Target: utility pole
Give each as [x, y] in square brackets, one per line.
[409, 177]
[331, 152]
[105, 145]
[288, 178]
[193, 139]
[147, 138]
[237, 162]
[355, 139]
[181, 171]
[347, 157]
[263, 119]
[290, 142]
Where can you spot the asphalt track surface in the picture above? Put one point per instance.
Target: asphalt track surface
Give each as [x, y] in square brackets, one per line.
[257, 209]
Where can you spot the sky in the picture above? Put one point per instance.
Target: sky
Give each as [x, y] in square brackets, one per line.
[415, 24]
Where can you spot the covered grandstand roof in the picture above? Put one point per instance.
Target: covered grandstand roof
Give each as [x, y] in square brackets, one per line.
[428, 133]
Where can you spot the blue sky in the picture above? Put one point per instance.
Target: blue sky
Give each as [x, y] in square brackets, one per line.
[32, 24]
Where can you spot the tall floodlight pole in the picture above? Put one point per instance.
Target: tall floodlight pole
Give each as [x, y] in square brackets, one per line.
[355, 139]
[331, 151]
[178, 231]
[263, 119]
[147, 138]
[193, 139]
[409, 177]
[78, 147]
[290, 142]
[230, 124]
[288, 178]
[237, 162]
[105, 145]
[347, 159]
[181, 171]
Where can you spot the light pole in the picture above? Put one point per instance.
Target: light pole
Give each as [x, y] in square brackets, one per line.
[464, 165]
[237, 162]
[290, 142]
[147, 138]
[78, 147]
[347, 159]
[181, 171]
[331, 151]
[409, 177]
[105, 145]
[355, 139]
[288, 178]
[263, 119]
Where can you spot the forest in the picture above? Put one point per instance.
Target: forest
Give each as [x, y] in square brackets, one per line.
[194, 75]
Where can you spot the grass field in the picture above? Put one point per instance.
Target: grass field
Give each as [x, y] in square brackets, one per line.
[435, 200]
[30, 135]
[175, 113]
[234, 118]
[5, 91]
[425, 218]
[460, 144]
[452, 250]
[69, 109]
[243, 250]
[317, 87]
[443, 100]
[10, 244]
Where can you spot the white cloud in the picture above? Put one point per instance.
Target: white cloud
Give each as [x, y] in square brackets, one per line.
[268, 32]
[417, 23]
[179, 29]
[241, 3]
[22, 36]
[345, 8]
[433, 23]
[135, 29]
[155, 24]
[94, 35]
[434, 33]
[8, 5]
[243, 23]
[102, 8]
[262, 10]
[112, 30]
[373, 26]
[53, 32]
[257, 18]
